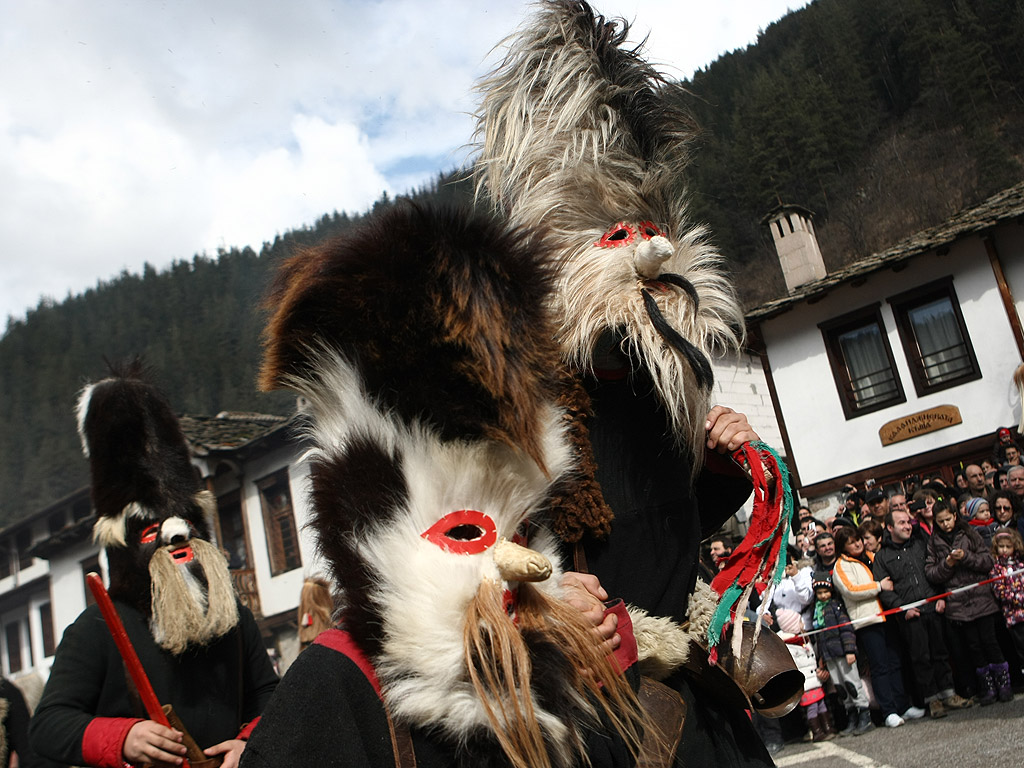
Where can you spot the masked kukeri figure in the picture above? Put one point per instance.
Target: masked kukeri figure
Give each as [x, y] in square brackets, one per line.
[199, 647]
[421, 341]
[580, 138]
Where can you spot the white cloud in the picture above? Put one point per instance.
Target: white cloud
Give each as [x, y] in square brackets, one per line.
[147, 131]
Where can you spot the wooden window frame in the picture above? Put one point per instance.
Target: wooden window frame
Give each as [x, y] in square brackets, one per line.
[901, 304]
[46, 627]
[830, 332]
[283, 558]
[11, 656]
[89, 565]
[23, 544]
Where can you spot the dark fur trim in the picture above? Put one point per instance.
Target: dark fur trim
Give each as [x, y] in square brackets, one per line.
[352, 491]
[577, 505]
[449, 300]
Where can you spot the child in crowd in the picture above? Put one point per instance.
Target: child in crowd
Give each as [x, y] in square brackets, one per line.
[813, 701]
[957, 557]
[794, 592]
[837, 646]
[1008, 556]
[979, 517]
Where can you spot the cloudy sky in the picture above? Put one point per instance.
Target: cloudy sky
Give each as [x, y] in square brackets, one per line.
[137, 130]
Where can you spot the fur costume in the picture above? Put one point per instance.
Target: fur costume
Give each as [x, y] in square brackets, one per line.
[422, 343]
[201, 650]
[581, 138]
[580, 135]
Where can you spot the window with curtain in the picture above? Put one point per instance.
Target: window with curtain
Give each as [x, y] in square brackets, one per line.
[279, 522]
[862, 363]
[935, 337]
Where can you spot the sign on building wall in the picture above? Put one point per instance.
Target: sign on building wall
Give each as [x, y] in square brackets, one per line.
[919, 423]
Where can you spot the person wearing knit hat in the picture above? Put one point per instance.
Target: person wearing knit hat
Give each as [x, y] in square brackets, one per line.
[789, 621]
[971, 506]
[979, 516]
[836, 643]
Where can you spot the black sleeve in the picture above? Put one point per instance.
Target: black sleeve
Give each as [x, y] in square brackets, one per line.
[259, 680]
[722, 487]
[72, 690]
[324, 713]
[16, 725]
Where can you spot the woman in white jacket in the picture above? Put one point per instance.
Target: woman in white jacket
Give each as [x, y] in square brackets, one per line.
[794, 592]
[852, 577]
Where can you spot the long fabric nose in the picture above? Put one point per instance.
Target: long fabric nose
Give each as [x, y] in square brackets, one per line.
[651, 254]
[517, 563]
[174, 530]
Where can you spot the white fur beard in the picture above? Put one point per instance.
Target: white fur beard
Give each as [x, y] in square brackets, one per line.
[598, 291]
[185, 613]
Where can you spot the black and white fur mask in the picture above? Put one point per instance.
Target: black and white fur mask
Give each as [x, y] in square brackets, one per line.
[581, 136]
[421, 341]
[152, 515]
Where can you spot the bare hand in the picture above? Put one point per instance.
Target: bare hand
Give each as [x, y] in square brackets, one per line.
[885, 584]
[822, 674]
[912, 613]
[584, 591]
[231, 749]
[940, 606]
[851, 659]
[957, 554]
[727, 430]
[149, 742]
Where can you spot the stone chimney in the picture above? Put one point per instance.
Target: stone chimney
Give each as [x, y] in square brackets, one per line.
[796, 245]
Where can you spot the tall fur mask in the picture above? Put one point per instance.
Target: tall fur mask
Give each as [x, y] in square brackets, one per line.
[422, 342]
[152, 515]
[578, 134]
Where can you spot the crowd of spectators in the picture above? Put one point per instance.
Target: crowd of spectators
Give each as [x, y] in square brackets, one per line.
[868, 607]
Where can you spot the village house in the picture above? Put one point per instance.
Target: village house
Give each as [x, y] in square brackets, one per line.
[901, 364]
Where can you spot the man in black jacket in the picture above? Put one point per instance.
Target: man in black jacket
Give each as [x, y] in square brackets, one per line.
[901, 558]
[200, 648]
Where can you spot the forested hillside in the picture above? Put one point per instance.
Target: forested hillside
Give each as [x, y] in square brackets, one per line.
[882, 116]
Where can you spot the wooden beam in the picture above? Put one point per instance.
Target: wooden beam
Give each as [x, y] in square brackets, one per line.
[1005, 293]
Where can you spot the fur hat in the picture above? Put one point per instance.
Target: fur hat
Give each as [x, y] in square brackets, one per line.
[421, 340]
[580, 135]
[152, 512]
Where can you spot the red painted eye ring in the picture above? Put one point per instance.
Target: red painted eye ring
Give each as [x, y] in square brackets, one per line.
[646, 227]
[454, 532]
[609, 239]
[149, 533]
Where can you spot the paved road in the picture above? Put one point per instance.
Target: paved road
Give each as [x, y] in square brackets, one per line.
[972, 738]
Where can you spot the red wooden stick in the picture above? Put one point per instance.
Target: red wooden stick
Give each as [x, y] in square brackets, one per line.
[124, 646]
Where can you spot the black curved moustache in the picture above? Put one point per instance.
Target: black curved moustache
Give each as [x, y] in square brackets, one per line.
[681, 282]
[699, 363]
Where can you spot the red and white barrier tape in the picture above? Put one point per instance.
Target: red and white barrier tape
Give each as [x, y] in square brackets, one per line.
[916, 604]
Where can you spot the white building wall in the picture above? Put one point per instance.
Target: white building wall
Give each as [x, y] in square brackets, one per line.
[825, 445]
[279, 593]
[740, 384]
[67, 584]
